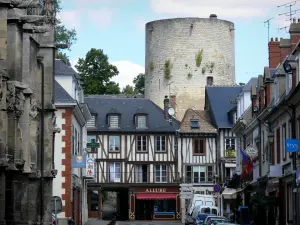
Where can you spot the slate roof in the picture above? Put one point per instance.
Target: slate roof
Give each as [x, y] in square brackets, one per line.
[128, 108]
[218, 99]
[61, 95]
[204, 121]
[62, 69]
[248, 86]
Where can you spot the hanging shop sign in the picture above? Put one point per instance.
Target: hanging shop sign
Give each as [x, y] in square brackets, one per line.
[78, 161]
[90, 167]
[252, 151]
[292, 145]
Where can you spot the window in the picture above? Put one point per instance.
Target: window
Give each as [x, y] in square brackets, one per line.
[141, 173]
[91, 122]
[283, 138]
[230, 143]
[199, 174]
[114, 121]
[290, 129]
[160, 143]
[199, 146]
[160, 173]
[141, 122]
[73, 141]
[194, 124]
[114, 143]
[115, 172]
[209, 81]
[141, 143]
[289, 202]
[278, 145]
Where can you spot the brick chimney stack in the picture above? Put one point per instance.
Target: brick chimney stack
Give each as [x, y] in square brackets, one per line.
[294, 33]
[166, 107]
[274, 53]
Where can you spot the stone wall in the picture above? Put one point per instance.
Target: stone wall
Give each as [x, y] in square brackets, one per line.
[26, 53]
[180, 41]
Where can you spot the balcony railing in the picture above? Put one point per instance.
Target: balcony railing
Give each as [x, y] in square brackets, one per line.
[138, 177]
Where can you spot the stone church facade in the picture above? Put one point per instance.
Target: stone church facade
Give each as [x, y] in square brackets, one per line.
[27, 51]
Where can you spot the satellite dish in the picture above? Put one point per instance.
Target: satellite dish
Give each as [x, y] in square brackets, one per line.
[171, 111]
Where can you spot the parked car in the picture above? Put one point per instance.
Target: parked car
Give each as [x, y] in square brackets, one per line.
[201, 217]
[211, 220]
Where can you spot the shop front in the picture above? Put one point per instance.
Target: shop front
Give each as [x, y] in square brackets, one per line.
[154, 203]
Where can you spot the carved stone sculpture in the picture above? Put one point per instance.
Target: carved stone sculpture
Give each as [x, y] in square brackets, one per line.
[25, 3]
[33, 109]
[15, 99]
[49, 9]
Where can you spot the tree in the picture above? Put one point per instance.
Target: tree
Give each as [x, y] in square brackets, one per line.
[139, 84]
[96, 73]
[63, 36]
[128, 90]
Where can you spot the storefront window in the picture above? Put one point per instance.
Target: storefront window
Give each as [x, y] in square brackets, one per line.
[165, 206]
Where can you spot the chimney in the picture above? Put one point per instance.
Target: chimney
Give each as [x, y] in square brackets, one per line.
[274, 53]
[213, 16]
[294, 34]
[173, 103]
[166, 107]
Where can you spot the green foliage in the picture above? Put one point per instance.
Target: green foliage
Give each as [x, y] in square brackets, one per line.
[198, 57]
[62, 35]
[96, 73]
[167, 70]
[139, 84]
[63, 57]
[128, 90]
[151, 66]
[203, 70]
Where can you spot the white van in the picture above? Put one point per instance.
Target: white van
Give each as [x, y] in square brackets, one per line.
[202, 200]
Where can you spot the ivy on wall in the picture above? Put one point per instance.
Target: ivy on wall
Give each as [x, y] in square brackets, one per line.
[151, 66]
[167, 69]
[198, 57]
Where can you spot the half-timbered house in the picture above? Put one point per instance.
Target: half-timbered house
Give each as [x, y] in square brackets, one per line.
[197, 159]
[221, 103]
[134, 144]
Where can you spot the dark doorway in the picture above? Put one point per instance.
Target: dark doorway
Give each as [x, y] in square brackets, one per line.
[144, 209]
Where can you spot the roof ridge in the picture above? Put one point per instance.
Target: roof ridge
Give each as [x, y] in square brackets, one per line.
[226, 85]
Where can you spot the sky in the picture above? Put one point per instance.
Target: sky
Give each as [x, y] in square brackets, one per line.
[118, 27]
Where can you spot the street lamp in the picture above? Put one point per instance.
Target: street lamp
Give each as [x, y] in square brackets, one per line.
[271, 137]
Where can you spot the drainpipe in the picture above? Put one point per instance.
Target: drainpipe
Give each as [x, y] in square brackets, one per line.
[40, 60]
[294, 156]
[260, 148]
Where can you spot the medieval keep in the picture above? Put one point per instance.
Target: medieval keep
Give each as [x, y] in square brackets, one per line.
[27, 112]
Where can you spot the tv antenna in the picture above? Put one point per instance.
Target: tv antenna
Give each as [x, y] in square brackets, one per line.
[291, 12]
[268, 23]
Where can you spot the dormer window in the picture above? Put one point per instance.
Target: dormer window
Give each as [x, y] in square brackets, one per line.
[194, 124]
[114, 121]
[141, 121]
[92, 122]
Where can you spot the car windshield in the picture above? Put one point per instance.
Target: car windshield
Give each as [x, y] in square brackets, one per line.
[218, 220]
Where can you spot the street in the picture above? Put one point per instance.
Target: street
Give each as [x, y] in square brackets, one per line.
[105, 222]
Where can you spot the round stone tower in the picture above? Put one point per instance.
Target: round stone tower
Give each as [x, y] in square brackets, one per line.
[183, 55]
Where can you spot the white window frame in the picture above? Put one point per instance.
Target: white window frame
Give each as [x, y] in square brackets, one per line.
[231, 143]
[114, 121]
[141, 121]
[143, 138]
[91, 122]
[161, 175]
[115, 177]
[194, 169]
[112, 146]
[160, 140]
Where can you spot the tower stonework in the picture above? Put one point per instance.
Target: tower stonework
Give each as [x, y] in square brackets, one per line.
[26, 56]
[183, 55]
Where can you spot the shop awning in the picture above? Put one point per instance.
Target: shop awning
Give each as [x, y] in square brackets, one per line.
[155, 196]
[229, 193]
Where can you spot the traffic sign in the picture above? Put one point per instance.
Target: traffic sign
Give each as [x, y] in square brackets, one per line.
[217, 188]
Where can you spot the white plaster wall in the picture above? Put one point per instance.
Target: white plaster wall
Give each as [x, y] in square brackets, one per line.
[243, 102]
[84, 190]
[58, 156]
[177, 41]
[76, 126]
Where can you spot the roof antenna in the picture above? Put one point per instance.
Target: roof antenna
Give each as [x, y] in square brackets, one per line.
[268, 23]
[290, 13]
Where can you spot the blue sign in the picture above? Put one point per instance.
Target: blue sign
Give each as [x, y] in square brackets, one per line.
[78, 161]
[292, 145]
[298, 177]
[217, 188]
